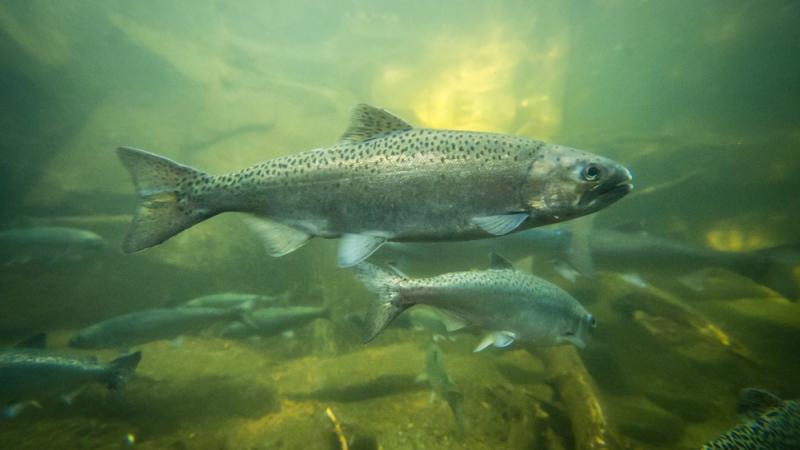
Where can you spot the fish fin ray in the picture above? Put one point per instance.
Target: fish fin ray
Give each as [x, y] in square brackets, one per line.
[368, 122]
[278, 239]
[500, 224]
[166, 209]
[387, 305]
[354, 248]
[503, 338]
[499, 339]
[121, 370]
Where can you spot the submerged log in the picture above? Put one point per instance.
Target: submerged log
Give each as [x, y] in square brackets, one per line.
[578, 394]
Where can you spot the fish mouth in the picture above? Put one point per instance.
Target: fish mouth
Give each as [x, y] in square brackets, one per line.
[608, 192]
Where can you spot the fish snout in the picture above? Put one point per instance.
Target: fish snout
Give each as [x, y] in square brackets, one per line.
[610, 182]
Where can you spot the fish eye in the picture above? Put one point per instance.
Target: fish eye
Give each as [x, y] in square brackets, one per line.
[591, 172]
[592, 322]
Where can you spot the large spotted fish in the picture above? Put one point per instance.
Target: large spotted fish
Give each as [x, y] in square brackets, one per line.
[506, 303]
[768, 423]
[383, 181]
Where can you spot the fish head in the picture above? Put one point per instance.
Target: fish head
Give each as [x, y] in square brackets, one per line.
[565, 183]
[553, 317]
[578, 331]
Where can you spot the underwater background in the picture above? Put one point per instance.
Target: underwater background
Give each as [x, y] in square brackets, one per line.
[699, 99]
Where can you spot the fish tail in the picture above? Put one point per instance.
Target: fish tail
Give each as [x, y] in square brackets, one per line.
[167, 205]
[777, 268]
[121, 371]
[388, 304]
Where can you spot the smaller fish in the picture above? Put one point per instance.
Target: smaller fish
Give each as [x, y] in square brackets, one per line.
[153, 325]
[268, 322]
[235, 300]
[442, 385]
[509, 304]
[768, 423]
[21, 245]
[29, 373]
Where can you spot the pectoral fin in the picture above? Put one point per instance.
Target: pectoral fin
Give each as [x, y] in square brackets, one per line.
[500, 224]
[497, 338]
[354, 248]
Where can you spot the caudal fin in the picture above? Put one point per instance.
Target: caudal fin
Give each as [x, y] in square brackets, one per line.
[121, 371]
[777, 268]
[387, 305]
[167, 206]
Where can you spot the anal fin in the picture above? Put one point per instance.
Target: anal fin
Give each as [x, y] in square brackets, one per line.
[354, 248]
[278, 239]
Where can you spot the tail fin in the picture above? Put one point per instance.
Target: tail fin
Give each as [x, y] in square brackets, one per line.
[387, 306]
[777, 268]
[121, 370]
[166, 208]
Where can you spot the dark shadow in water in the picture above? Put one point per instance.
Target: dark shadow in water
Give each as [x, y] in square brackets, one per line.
[380, 387]
[155, 408]
[517, 375]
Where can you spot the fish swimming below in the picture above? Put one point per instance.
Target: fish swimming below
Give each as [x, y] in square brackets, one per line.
[612, 250]
[442, 385]
[155, 324]
[768, 423]
[235, 300]
[49, 244]
[383, 181]
[272, 321]
[509, 304]
[29, 374]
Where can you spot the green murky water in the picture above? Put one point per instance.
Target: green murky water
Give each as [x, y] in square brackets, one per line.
[699, 100]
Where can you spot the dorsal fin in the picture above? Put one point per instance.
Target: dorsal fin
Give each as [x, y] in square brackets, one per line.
[500, 263]
[755, 402]
[367, 122]
[38, 340]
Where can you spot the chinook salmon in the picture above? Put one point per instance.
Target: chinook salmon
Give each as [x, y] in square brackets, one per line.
[630, 253]
[768, 423]
[20, 245]
[154, 324]
[29, 373]
[273, 321]
[509, 304]
[383, 181]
